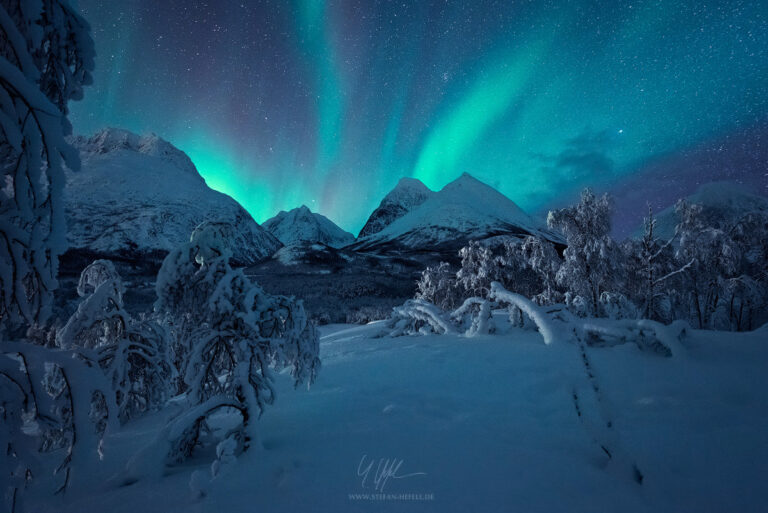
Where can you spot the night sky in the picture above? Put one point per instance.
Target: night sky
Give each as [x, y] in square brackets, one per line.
[328, 104]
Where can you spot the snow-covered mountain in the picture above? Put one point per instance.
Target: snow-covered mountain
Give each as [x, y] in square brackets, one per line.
[138, 196]
[303, 225]
[408, 194]
[722, 203]
[463, 210]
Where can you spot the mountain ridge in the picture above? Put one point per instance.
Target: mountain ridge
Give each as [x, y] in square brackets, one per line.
[139, 197]
[463, 210]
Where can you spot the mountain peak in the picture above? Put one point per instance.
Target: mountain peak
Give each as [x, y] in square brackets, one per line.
[302, 225]
[408, 181]
[467, 180]
[409, 186]
[465, 209]
[140, 197]
[111, 139]
[407, 195]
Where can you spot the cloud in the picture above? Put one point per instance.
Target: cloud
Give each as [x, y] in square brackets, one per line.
[584, 165]
[584, 157]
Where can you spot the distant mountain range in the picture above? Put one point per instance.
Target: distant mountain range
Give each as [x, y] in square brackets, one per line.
[137, 197]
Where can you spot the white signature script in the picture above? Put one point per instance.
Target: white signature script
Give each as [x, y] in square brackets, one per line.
[384, 470]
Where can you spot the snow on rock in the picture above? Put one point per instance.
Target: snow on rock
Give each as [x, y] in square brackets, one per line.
[464, 209]
[722, 202]
[408, 194]
[301, 224]
[139, 195]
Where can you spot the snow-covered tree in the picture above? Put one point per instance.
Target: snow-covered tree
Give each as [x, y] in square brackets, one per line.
[50, 431]
[616, 305]
[240, 333]
[747, 290]
[132, 353]
[746, 301]
[437, 285]
[476, 315]
[138, 369]
[513, 270]
[46, 56]
[417, 316]
[591, 260]
[650, 268]
[100, 318]
[479, 268]
[708, 256]
[541, 257]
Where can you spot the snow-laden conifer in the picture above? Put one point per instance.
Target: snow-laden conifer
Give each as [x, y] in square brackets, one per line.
[46, 56]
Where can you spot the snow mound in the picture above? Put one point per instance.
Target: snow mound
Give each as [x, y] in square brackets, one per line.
[464, 209]
[138, 196]
[408, 194]
[301, 224]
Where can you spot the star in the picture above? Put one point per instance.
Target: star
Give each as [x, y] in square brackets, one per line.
[353, 96]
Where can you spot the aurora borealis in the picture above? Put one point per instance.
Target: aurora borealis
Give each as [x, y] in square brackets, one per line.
[328, 104]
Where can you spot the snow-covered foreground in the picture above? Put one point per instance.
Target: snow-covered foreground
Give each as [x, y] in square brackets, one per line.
[488, 424]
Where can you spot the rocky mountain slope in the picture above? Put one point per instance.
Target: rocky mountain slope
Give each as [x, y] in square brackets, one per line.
[137, 197]
[408, 194]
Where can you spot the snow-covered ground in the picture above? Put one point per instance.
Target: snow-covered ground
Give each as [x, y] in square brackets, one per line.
[486, 424]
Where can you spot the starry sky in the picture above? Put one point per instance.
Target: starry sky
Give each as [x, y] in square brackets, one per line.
[329, 103]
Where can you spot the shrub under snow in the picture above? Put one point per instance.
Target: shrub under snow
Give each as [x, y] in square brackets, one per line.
[232, 335]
